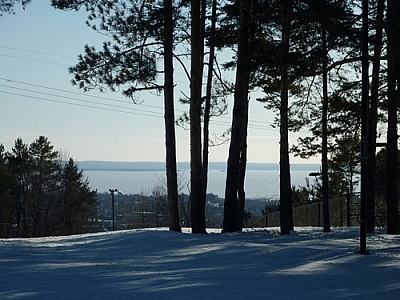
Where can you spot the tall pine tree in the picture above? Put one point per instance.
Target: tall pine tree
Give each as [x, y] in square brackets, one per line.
[128, 61]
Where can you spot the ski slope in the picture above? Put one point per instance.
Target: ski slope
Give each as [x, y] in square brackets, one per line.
[158, 264]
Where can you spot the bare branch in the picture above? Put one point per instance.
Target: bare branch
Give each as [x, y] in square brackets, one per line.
[183, 66]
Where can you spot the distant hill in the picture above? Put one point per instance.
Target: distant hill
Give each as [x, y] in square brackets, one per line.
[120, 166]
[160, 166]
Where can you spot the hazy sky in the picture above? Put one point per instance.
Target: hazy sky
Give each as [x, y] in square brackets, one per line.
[36, 48]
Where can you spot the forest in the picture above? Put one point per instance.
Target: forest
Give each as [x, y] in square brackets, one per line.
[43, 193]
[331, 67]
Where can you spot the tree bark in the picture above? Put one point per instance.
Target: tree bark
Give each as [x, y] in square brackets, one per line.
[393, 34]
[373, 118]
[239, 120]
[324, 153]
[197, 196]
[207, 106]
[242, 177]
[169, 118]
[286, 213]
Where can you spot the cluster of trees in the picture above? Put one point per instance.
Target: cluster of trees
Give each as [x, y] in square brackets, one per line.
[41, 195]
[304, 55]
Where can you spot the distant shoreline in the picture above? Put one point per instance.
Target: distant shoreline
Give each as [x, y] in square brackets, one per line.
[160, 166]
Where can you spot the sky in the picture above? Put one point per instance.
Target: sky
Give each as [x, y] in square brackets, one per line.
[37, 45]
[159, 264]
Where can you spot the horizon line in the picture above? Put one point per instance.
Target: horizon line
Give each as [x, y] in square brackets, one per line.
[156, 161]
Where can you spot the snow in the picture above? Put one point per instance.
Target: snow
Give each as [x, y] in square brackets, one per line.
[158, 264]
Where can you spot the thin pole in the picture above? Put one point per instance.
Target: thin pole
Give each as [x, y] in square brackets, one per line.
[112, 197]
[112, 191]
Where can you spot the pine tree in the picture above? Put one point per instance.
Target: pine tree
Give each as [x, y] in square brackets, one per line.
[77, 204]
[197, 196]
[393, 35]
[128, 62]
[18, 161]
[7, 183]
[49, 197]
[43, 175]
[376, 83]
[234, 190]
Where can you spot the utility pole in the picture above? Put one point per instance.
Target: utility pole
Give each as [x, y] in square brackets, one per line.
[112, 191]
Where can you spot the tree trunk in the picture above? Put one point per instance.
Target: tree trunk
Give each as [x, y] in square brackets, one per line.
[242, 176]
[373, 118]
[196, 175]
[324, 153]
[393, 27]
[364, 128]
[286, 213]
[208, 98]
[239, 119]
[169, 117]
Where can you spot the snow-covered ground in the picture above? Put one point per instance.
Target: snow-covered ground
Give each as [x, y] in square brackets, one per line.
[158, 264]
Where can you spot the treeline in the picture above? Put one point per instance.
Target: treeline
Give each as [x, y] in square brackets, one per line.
[41, 194]
[305, 56]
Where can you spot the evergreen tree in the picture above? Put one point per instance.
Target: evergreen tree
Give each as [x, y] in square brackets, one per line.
[18, 161]
[43, 175]
[77, 204]
[285, 192]
[393, 35]
[48, 197]
[208, 104]
[197, 196]
[315, 29]
[172, 177]
[376, 84]
[7, 184]
[137, 31]
[234, 190]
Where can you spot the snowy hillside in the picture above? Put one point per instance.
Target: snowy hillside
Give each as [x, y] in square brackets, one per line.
[158, 264]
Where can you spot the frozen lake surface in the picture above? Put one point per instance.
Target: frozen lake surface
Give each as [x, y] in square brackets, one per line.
[259, 183]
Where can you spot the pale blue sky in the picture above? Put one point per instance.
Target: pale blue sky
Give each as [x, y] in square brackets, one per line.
[36, 48]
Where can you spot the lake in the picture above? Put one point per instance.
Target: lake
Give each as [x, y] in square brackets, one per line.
[259, 183]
